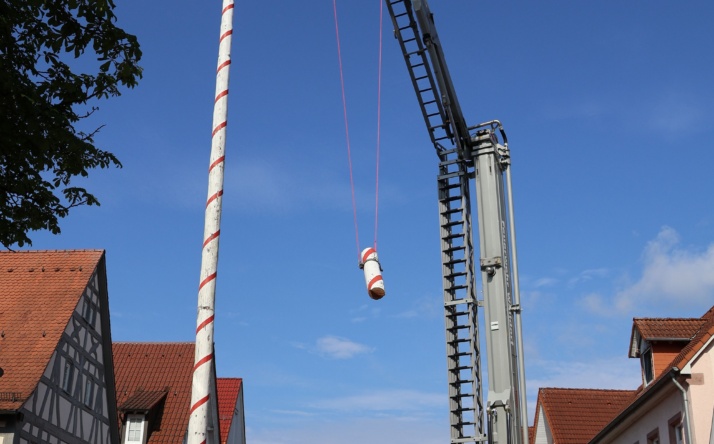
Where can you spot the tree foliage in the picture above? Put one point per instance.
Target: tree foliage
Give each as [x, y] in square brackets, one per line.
[57, 58]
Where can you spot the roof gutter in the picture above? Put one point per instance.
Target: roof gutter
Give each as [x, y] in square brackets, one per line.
[685, 401]
[650, 393]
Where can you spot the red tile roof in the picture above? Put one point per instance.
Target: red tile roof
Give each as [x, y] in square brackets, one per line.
[228, 389]
[40, 290]
[157, 367]
[667, 328]
[577, 415]
[705, 332]
[699, 339]
[143, 400]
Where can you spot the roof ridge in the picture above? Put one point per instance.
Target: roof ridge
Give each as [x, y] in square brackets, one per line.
[71, 250]
[587, 389]
[153, 342]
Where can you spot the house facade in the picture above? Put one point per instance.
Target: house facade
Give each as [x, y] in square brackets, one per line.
[153, 385]
[56, 371]
[573, 416]
[231, 411]
[674, 404]
[676, 401]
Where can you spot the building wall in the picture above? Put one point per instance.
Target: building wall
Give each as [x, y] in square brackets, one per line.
[654, 415]
[700, 388]
[237, 432]
[72, 401]
[543, 434]
[663, 353]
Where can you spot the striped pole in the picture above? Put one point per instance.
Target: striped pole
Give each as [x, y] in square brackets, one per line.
[203, 362]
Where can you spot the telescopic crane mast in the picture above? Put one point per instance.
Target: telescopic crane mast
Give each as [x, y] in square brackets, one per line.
[480, 153]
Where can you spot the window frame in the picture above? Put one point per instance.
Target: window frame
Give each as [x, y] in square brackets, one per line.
[653, 437]
[89, 313]
[88, 392]
[142, 423]
[676, 429]
[647, 361]
[68, 376]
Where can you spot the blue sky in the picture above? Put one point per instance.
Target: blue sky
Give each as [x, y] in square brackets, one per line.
[609, 108]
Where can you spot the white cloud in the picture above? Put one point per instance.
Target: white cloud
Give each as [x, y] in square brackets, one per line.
[596, 304]
[429, 307]
[674, 112]
[607, 373]
[671, 273]
[544, 282]
[356, 431]
[340, 348]
[588, 275]
[292, 412]
[385, 400]
[364, 313]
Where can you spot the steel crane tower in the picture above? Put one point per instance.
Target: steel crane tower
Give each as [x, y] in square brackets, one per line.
[480, 153]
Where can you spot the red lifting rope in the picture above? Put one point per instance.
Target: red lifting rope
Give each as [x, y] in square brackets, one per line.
[347, 129]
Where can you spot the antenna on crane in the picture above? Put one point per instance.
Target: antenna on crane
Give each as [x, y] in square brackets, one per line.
[203, 363]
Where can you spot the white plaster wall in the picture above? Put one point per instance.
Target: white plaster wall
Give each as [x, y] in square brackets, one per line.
[543, 434]
[656, 416]
[237, 432]
[701, 392]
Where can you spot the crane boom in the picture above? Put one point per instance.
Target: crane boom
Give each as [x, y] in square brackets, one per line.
[467, 153]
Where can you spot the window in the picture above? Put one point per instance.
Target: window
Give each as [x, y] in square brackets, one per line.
[653, 437]
[88, 392]
[134, 428]
[676, 430]
[647, 370]
[67, 376]
[88, 312]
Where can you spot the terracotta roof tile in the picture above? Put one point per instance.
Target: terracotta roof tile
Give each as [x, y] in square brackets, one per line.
[667, 328]
[39, 291]
[143, 400]
[228, 390]
[705, 332]
[157, 367]
[700, 337]
[577, 415]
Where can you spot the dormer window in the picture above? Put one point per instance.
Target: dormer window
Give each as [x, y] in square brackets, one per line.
[134, 429]
[647, 366]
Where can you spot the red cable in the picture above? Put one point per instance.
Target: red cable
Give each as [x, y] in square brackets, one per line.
[347, 127]
[379, 121]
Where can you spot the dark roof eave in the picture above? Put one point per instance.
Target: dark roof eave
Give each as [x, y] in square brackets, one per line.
[649, 393]
[669, 339]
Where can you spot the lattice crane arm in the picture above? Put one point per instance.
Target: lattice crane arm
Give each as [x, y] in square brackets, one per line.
[467, 153]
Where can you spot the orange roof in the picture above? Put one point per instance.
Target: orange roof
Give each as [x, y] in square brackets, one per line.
[667, 328]
[40, 290]
[705, 332]
[531, 434]
[228, 389]
[698, 340]
[576, 415]
[157, 367]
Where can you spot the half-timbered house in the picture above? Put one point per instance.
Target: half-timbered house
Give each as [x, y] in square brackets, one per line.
[56, 371]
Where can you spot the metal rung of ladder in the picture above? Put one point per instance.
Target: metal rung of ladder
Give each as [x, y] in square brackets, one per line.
[466, 401]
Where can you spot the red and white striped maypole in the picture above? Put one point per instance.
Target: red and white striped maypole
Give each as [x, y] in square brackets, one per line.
[198, 421]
